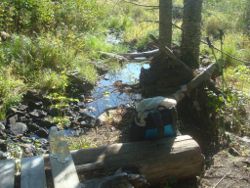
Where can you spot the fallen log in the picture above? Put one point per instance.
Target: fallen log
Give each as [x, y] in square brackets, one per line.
[114, 56]
[157, 160]
[195, 82]
[135, 55]
[130, 56]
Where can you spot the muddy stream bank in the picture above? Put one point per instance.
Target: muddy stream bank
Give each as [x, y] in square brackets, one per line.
[25, 130]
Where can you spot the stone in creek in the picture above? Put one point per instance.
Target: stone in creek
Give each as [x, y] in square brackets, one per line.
[23, 119]
[81, 104]
[76, 108]
[18, 128]
[83, 123]
[3, 146]
[12, 119]
[38, 113]
[15, 110]
[54, 112]
[3, 155]
[33, 127]
[43, 133]
[45, 123]
[22, 107]
[39, 104]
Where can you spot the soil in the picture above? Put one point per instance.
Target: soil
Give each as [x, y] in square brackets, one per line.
[229, 166]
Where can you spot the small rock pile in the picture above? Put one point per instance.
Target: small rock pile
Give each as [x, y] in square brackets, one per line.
[27, 125]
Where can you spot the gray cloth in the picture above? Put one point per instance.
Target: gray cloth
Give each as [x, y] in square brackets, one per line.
[146, 106]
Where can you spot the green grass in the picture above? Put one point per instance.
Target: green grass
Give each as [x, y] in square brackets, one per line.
[11, 90]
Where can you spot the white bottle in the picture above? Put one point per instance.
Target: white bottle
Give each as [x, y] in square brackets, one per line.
[53, 139]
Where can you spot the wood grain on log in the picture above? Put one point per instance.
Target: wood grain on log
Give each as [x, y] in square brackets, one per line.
[157, 160]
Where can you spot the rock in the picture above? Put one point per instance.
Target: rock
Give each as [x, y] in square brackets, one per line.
[18, 128]
[34, 114]
[76, 108]
[45, 123]
[29, 150]
[38, 113]
[33, 127]
[12, 119]
[3, 155]
[23, 119]
[15, 110]
[38, 104]
[2, 127]
[23, 107]
[43, 133]
[3, 146]
[81, 104]
[83, 123]
[54, 112]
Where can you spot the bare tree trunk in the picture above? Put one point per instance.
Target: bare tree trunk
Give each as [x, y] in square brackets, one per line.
[165, 25]
[247, 19]
[190, 44]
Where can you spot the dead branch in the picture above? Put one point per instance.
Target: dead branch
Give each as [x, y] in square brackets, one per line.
[195, 82]
[135, 55]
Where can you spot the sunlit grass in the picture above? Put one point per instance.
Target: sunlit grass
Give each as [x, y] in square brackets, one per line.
[76, 143]
[238, 78]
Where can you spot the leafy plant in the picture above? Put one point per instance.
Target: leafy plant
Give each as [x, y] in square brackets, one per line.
[11, 90]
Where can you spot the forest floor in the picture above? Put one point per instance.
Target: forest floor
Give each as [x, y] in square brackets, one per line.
[225, 168]
[230, 167]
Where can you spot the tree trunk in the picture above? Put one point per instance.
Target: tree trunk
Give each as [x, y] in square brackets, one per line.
[165, 25]
[247, 19]
[190, 44]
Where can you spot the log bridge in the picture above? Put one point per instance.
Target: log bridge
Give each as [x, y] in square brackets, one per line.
[158, 160]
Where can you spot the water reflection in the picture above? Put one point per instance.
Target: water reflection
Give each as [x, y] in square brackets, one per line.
[105, 94]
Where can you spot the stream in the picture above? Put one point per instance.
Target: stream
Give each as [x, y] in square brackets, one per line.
[25, 131]
[106, 95]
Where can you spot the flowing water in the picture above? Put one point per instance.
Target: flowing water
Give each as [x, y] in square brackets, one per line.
[106, 95]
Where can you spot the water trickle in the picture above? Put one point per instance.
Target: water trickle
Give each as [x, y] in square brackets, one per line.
[106, 95]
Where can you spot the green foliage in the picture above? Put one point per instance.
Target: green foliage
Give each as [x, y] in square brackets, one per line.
[78, 14]
[61, 121]
[229, 109]
[246, 19]
[30, 15]
[41, 15]
[216, 23]
[11, 90]
[239, 78]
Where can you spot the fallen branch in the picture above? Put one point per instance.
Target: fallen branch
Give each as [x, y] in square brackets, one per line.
[221, 180]
[114, 56]
[140, 54]
[195, 82]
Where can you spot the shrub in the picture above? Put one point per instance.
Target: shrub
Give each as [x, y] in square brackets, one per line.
[11, 90]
